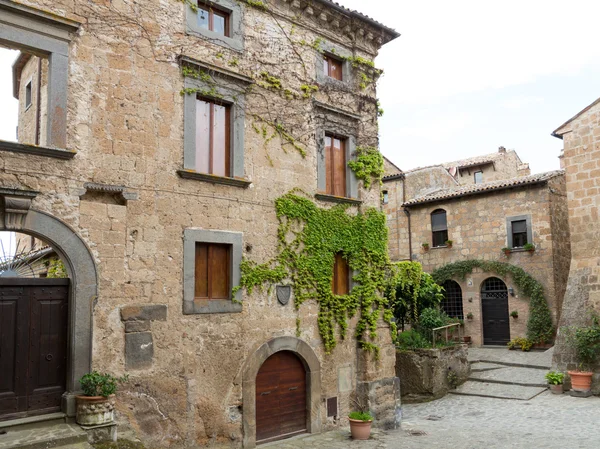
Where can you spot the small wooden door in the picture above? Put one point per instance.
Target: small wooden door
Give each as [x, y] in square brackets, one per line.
[494, 306]
[280, 398]
[33, 345]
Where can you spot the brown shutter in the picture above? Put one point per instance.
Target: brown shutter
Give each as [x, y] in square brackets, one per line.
[329, 165]
[201, 271]
[219, 271]
[339, 167]
[335, 69]
[341, 281]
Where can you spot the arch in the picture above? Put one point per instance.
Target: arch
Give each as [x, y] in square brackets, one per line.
[81, 268]
[313, 383]
[439, 228]
[452, 303]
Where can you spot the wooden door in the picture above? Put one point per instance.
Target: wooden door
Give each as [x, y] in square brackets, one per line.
[33, 345]
[494, 306]
[280, 398]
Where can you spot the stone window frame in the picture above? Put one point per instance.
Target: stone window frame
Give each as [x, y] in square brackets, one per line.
[48, 36]
[339, 52]
[226, 87]
[190, 237]
[236, 28]
[342, 124]
[29, 84]
[509, 234]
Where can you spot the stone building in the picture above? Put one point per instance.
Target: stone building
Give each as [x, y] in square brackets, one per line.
[169, 130]
[581, 160]
[439, 215]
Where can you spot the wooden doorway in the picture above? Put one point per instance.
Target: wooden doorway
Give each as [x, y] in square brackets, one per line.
[494, 307]
[281, 398]
[33, 345]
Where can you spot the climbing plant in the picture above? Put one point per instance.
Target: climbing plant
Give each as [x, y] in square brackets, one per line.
[368, 165]
[539, 326]
[56, 268]
[309, 238]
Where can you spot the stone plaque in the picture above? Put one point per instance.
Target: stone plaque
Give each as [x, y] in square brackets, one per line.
[345, 379]
[283, 294]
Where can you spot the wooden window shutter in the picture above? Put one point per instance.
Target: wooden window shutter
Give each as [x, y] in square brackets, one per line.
[339, 167]
[201, 271]
[341, 276]
[212, 271]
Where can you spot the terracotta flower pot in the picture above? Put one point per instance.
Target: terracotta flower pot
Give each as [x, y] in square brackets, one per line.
[95, 410]
[581, 380]
[556, 389]
[360, 430]
[467, 339]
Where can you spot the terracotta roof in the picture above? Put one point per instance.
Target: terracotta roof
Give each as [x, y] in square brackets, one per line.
[476, 189]
[476, 163]
[556, 132]
[394, 34]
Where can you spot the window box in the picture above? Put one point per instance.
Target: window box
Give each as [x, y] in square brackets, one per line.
[219, 21]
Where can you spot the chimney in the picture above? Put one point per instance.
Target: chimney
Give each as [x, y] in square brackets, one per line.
[501, 150]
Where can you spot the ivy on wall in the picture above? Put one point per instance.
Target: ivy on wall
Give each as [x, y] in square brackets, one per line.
[309, 237]
[56, 268]
[368, 165]
[539, 326]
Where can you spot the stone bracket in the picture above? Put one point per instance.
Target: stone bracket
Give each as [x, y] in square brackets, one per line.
[16, 204]
[119, 191]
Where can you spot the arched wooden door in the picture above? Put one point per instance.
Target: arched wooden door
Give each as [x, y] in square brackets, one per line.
[280, 398]
[494, 307]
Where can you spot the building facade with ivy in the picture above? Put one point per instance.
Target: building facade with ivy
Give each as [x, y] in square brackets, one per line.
[474, 224]
[209, 175]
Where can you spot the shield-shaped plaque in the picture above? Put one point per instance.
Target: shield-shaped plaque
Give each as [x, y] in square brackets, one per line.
[283, 294]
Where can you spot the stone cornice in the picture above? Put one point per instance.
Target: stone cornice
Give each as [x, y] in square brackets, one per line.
[35, 150]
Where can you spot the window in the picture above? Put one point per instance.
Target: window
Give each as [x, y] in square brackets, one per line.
[385, 197]
[340, 282]
[332, 67]
[335, 165]
[211, 274]
[439, 228]
[519, 233]
[478, 177]
[211, 267]
[213, 20]
[212, 138]
[452, 303]
[28, 95]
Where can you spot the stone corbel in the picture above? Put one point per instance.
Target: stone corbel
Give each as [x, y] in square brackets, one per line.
[16, 204]
[120, 192]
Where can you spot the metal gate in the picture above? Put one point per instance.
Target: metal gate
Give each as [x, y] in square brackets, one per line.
[494, 306]
[33, 345]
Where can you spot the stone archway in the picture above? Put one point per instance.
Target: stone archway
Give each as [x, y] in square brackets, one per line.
[313, 383]
[17, 216]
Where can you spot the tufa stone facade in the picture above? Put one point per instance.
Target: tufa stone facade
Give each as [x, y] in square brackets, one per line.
[115, 191]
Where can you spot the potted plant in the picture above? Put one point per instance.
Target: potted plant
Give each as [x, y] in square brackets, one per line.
[466, 339]
[586, 342]
[555, 380]
[97, 404]
[449, 243]
[529, 247]
[425, 246]
[469, 316]
[514, 314]
[506, 251]
[360, 425]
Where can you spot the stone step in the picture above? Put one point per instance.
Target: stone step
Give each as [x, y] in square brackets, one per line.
[477, 367]
[514, 364]
[527, 377]
[496, 390]
[85, 445]
[33, 421]
[52, 435]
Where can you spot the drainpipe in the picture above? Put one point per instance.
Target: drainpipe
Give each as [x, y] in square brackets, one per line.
[38, 102]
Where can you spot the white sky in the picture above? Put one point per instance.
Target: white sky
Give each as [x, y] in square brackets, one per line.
[467, 76]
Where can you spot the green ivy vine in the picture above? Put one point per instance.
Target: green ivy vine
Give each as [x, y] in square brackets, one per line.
[539, 326]
[56, 269]
[309, 238]
[368, 165]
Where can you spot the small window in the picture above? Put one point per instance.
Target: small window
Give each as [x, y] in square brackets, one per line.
[519, 233]
[213, 138]
[335, 165]
[212, 276]
[28, 95]
[385, 197]
[478, 177]
[439, 228]
[333, 67]
[340, 282]
[213, 20]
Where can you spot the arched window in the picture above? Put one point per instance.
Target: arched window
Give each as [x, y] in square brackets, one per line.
[439, 228]
[452, 303]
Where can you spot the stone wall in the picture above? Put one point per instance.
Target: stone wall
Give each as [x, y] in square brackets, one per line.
[126, 123]
[423, 373]
[581, 136]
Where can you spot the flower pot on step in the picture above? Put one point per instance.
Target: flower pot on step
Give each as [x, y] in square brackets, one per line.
[556, 389]
[95, 410]
[360, 430]
[581, 380]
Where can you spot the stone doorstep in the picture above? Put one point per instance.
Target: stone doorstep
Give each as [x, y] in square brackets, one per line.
[33, 421]
[44, 437]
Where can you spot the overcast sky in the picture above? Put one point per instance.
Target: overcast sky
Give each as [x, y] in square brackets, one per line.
[467, 76]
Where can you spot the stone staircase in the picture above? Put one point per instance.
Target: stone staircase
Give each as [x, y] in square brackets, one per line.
[44, 432]
[503, 374]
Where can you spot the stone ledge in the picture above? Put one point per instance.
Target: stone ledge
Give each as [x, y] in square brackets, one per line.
[151, 312]
[211, 306]
[35, 150]
[235, 182]
[337, 199]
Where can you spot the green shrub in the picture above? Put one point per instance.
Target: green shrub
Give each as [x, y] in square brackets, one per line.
[586, 342]
[360, 416]
[430, 319]
[520, 342]
[555, 378]
[411, 340]
[96, 384]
